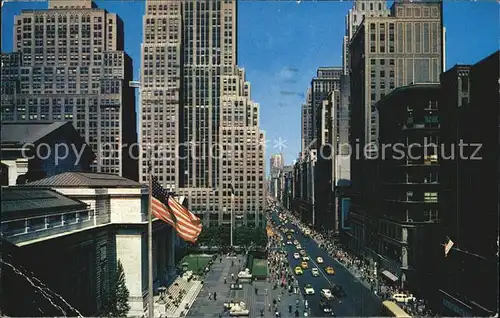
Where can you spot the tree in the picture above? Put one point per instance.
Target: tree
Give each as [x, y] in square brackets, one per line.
[118, 305]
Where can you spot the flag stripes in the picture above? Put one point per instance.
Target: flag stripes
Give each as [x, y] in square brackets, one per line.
[167, 209]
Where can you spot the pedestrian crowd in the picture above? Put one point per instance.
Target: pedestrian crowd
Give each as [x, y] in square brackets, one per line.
[281, 277]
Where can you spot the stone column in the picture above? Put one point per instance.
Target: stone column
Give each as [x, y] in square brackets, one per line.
[132, 253]
[170, 251]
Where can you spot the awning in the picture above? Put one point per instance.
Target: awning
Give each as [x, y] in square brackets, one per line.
[390, 275]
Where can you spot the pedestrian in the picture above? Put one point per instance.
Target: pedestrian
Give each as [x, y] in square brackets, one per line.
[256, 291]
[210, 295]
[225, 281]
[215, 296]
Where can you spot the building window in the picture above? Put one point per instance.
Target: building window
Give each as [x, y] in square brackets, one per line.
[430, 197]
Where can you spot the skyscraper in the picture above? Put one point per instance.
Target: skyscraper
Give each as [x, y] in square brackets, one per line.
[391, 51]
[385, 52]
[196, 109]
[69, 64]
[306, 124]
[353, 20]
[276, 161]
[327, 79]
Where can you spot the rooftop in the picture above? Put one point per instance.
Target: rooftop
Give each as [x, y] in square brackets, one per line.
[85, 179]
[401, 89]
[22, 132]
[22, 202]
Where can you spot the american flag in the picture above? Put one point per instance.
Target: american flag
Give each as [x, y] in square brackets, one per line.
[447, 247]
[166, 208]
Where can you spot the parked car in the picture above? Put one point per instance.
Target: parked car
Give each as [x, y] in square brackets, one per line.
[319, 260]
[315, 272]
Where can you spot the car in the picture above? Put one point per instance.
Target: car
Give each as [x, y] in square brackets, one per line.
[305, 258]
[338, 291]
[319, 259]
[326, 293]
[302, 252]
[304, 265]
[236, 286]
[315, 272]
[296, 255]
[308, 289]
[298, 270]
[295, 242]
[326, 308]
[329, 270]
[403, 298]
[289, 242]
[289, 237]
[298, 246]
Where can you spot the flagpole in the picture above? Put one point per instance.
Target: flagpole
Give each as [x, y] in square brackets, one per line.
[150, 245]
[232, 212]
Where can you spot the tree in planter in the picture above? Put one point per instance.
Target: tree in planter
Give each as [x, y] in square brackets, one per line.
[118, 305]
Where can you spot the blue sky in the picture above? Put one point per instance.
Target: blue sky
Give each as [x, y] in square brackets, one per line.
[282, 43]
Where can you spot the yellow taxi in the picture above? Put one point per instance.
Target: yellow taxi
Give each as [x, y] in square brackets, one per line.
[298, 270]
[304, 265]
[329, 270]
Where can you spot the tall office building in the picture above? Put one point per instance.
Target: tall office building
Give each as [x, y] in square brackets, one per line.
[327, 79]
[391, 51]
[385, 53]
[353, 20]
[196, 109]
[306, 124]
[276, 161]
[69, 64]
[469, 114]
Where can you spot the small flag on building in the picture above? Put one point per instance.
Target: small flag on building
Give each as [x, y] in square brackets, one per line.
[447, 247]
[166, 208]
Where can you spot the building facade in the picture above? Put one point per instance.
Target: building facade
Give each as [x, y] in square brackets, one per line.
[34, 150]
[391, 51]
[196, 111]
[406, 196]
[386, 52]
[327, 79]
[353, 20]
[69, 64]
[114, 229]
[303, 180]
[469, 203]
[306, 123]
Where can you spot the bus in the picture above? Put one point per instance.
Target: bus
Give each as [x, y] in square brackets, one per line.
[391, 309]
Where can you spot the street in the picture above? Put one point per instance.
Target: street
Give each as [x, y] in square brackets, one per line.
[359, 301]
